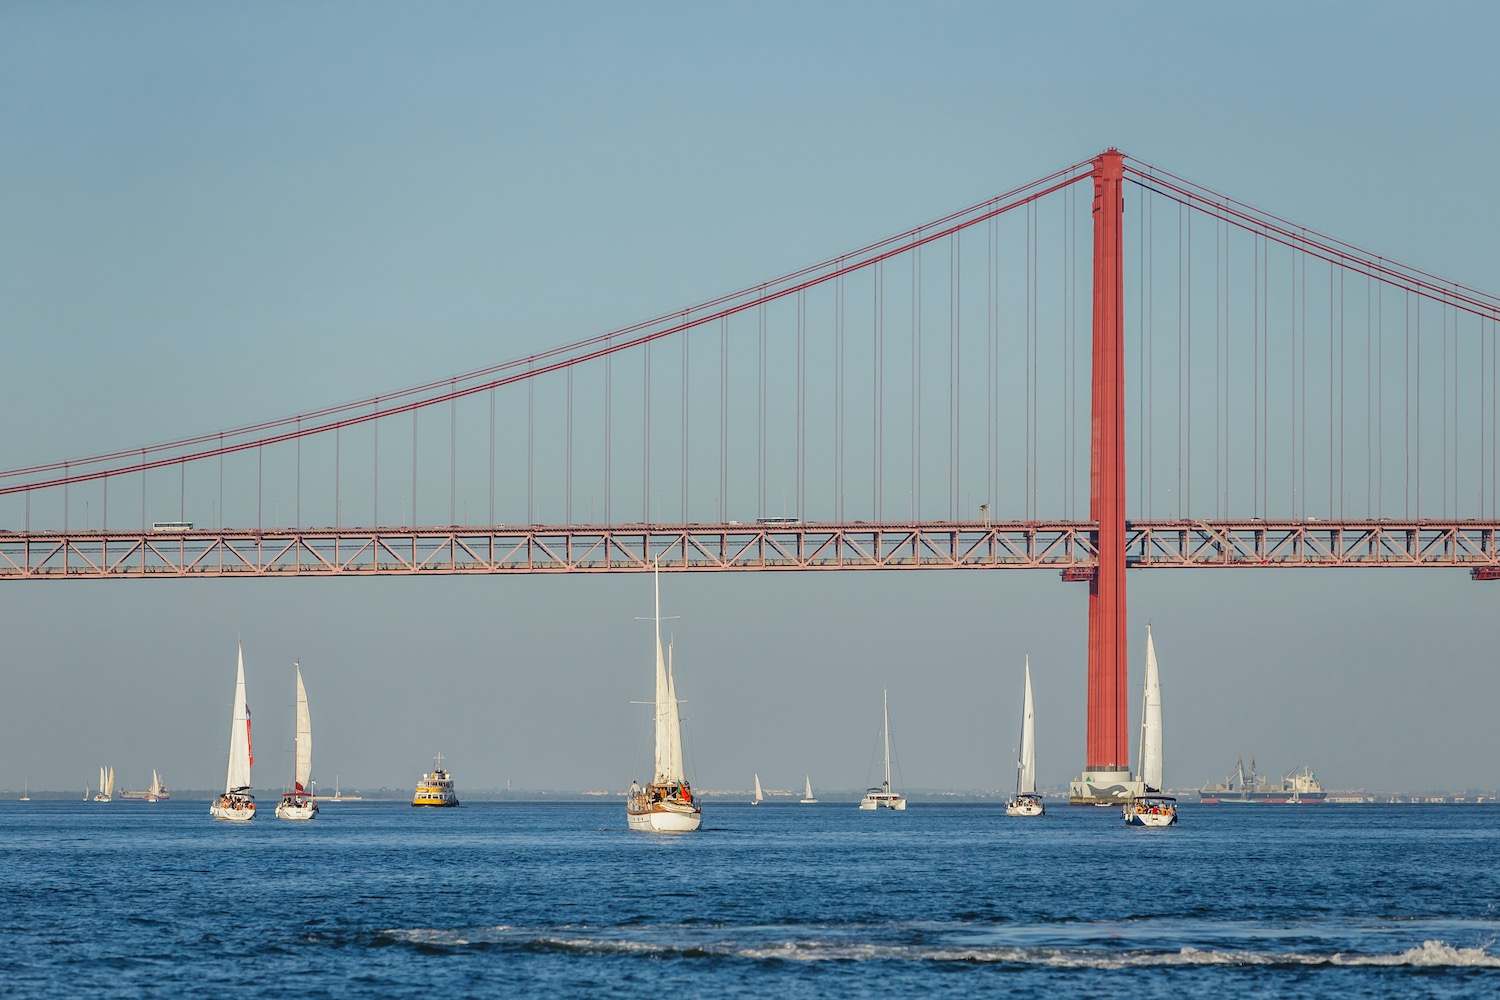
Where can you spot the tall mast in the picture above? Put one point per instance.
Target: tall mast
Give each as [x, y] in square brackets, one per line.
[886, 733]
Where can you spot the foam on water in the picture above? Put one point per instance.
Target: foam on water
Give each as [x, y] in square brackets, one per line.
[1431, 953]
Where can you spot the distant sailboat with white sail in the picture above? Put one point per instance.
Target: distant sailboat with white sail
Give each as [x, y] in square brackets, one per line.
[26, 790]
[760, 796]
[237, 804]
[666, 804]
[1147, 806]
[298, 802]
[106, 785]
[882, 797]
[157, 791]
[807, 796]
[1026, 801]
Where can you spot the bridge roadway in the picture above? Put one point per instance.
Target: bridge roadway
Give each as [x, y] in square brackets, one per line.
[779, 544]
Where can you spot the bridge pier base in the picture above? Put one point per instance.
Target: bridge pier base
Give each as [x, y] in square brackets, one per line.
[1102, 788]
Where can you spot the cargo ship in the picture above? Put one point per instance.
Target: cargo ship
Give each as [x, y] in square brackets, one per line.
[1244, 786]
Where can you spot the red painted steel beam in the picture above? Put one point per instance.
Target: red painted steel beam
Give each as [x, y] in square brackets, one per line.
[1107, 746]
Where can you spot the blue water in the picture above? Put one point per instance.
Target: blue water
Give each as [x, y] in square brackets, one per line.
[380, 900]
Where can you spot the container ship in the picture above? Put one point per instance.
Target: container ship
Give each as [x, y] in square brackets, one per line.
[1243, 785]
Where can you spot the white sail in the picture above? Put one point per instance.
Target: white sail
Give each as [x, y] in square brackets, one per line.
[155, 789]
[102, 777]
[675, 769]
[1151, 735]
[111, 789]
[808, 793]
[302, 780]
[663, 695]
[1026, 770]
[760, 796]
[885, 733]
[240, 754]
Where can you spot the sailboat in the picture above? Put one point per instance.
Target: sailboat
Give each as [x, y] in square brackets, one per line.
[157, 791]
[106, 785]
[759, 795]
[237, 804]
[1026, 802]
[1147, 806]
[882, 797]
[807, 796]
[26, 790]
[666, 804]
[298, 802]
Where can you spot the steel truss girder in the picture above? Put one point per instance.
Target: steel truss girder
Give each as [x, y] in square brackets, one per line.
[541, 549]
[503, 550]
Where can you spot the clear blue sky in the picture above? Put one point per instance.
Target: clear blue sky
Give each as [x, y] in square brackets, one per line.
[214, 215]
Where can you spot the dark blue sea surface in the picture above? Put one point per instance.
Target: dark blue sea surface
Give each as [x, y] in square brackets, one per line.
[381, 900]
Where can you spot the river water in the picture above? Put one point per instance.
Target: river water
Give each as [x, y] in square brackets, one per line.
[381, 900]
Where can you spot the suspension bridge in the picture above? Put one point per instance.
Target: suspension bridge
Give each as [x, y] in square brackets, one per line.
[1111, 367]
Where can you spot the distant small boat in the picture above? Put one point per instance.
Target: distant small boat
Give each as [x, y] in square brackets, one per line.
[26, 790]
[298, 802]
[1149, 807]
[807, 796]
[759, 795]
[237, 804]
[882, 797]
[157, 791]
[436, 789]
[666, 804]
[106, 785]
[1026, 801]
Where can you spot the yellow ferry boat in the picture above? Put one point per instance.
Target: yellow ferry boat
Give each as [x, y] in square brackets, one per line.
[436, 789]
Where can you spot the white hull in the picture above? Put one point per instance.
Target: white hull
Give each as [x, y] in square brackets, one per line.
[103, 798]
[233, 814]
[807, 802]
[1152, 813]
[288, 810]
[883, 800]
[1025, 806]
[665, 821]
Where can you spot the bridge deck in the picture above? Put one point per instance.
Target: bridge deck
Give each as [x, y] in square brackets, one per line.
[1065, 546]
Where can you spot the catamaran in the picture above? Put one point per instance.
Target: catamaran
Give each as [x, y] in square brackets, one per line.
[237, 804]
[1026, 801]
[298, 802]
[106, 785]
[807, 796]
[1147, 806]
[666, 804]
[882, 797]
[759, 795]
